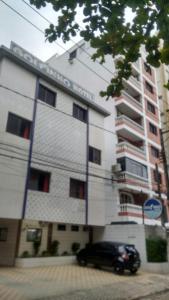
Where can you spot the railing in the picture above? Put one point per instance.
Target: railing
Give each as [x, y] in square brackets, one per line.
[125, 146]
[125, 118]
[137, 64]
[134, 81]
[124, 175]
[130, 98]
[130, 208]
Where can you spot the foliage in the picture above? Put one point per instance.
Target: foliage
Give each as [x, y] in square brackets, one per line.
[25, 254]
[156, 250]
[108, 32]
[65, 253]
[54, 247]
[36, 246]
[45, 253]
[75, 247]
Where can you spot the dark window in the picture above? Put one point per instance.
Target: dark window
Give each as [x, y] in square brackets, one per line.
[147, 68]
[79, 113]
[77, 188]
[3, 234]
[94, 155]
[155, 152]
[153, 128]
[73, 54]
[74, 228]
[61, 227]
[47, 95]
[39, 181]
[157, 176]
[151, 108]
[18, 126]
[149, 87]
[132, 166]
[34, 234]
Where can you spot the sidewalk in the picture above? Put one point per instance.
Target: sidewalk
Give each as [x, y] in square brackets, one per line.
[77, 283]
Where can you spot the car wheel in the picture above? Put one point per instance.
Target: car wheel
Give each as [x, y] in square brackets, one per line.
[82, 262]
[133, 270]
[119, 269]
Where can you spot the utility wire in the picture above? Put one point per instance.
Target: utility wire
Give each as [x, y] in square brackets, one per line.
[36, 27]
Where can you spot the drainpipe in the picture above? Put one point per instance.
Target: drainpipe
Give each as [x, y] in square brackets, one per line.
[87, 168]
[30, 149]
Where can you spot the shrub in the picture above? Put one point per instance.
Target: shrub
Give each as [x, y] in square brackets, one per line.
[156, 250]
[65, 253]
[75, 247]
[53, 249]
[25, 254]
[45, 253]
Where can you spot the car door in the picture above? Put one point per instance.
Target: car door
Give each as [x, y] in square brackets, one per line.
[93, 254]
[108, 254]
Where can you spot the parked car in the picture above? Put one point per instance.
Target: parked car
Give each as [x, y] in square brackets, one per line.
[118, 255]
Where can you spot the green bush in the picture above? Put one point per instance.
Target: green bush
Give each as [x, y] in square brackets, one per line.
[75, 247]
[25, 254]
[45, 253]
[53, 249]
[156, 250]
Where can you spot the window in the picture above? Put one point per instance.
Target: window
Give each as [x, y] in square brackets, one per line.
[73, 54]
[74, 228]
[155, 152]
[147, 68]
[3, 234]
[94, 155]
[126, 198]
[157, 176]
[153, 128]
[151, 108]
[46, 95]
[77, 188]
[61, 227]
[149, 87]
[79, 113]
[39, 181]
[18, 126]
[132, 166]
[34, 234]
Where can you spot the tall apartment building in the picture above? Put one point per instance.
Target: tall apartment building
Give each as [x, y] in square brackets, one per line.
[136, 121]
[55, 158]
[162, 79]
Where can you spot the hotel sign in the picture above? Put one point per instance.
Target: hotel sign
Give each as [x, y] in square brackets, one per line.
[51, 72]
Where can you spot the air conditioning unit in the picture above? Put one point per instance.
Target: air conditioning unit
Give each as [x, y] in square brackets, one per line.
[116, 168]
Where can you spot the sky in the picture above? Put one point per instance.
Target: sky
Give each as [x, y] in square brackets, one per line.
[13, 27]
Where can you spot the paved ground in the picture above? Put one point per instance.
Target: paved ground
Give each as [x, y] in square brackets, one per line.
[78, 283]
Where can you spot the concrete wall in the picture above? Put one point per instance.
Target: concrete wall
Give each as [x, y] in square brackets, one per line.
[65, 238]
[8, 247]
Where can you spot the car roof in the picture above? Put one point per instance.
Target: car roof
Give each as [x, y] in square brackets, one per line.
[113, 243]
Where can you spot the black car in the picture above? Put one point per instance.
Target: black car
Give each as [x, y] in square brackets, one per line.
[118, 255]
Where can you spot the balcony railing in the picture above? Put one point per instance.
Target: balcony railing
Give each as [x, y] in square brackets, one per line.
[129, 122]
[135, 82]
[124, 146]
[132, 212]
[136, 64]
[131, 99]
[131, 208]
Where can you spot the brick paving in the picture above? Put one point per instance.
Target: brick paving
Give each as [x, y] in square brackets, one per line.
[76, 283]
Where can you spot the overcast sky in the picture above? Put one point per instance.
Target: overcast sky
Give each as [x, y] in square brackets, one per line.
[13, 27]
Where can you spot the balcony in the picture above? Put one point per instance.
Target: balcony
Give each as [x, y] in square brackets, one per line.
[134, 81]
[129, 129]
[125, 147]
[132, 212]
[128, 103]
[130, 180]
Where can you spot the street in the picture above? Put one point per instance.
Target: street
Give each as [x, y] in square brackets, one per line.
[71, 282]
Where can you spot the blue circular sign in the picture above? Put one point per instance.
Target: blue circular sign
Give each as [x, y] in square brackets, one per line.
[152, 208]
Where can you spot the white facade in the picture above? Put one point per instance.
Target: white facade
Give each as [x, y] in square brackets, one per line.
[131, 116]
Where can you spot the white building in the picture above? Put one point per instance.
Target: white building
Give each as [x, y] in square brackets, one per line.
[55, 158]
[135, 117]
